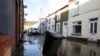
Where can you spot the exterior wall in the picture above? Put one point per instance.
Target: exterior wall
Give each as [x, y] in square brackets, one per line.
[84, 6]
[51, 23]
[85, 23]
[9, 26]
[43, 26]
[7, 16]
[5, 46]
[63, 17]
[48, 24]
[87, 10]
[21, 20]
[90, 5]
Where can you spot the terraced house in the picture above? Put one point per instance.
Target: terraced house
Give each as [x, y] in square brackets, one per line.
[51, 22]
[11, 25]
[84, 19]
[61, 21]
[43, 25]
[57, 21]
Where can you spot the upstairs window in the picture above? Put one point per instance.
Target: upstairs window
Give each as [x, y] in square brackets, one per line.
[76, 9]
[58, 16]
[48, 20]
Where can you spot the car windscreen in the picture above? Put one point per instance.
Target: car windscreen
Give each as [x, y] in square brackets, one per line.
[35, 29]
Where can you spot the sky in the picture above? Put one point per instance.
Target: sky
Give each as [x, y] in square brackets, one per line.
[41, 8]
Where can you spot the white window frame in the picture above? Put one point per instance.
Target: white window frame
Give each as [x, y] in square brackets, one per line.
[76, 24]
[58, 16]
[58, 28]
[76, 8]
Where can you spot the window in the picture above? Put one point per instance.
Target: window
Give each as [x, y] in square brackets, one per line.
[58, 16]
[58, 27]
[48, 28]
[93, 25]
[77, 28]
[48, 20]
[76, 9]
[53, 27]
[65, 23]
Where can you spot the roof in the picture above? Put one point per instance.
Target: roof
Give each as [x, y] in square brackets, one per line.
[57, 10]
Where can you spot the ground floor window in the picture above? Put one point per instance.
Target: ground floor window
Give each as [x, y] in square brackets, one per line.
[49, 28]
[77, 28]
[58, 27]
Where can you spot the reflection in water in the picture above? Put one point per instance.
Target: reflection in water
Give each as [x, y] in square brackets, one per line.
[79, 48]
[68, 48]
[76, 49]
[30, 47]
[92, 49]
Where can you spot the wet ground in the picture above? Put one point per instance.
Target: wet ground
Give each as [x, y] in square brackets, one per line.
[79, 48]
[34, 45]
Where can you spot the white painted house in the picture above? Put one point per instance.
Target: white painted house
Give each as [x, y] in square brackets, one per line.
[51, 23]
[84, 19]
[43, 25]
[61, 21]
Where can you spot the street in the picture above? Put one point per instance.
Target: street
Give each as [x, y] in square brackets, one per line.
[34, 44]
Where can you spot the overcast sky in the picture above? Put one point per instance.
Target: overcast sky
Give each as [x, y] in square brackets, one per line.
[48, 6]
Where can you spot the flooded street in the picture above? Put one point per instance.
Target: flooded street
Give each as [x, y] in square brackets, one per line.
[78, 48]
[34, 44]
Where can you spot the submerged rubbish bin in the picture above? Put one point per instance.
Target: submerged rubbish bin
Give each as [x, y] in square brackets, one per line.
[52, 43]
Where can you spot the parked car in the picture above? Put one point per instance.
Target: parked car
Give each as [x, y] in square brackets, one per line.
[35, 31]
[30, 31]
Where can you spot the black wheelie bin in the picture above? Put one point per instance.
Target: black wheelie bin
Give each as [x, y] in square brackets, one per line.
[52, 43]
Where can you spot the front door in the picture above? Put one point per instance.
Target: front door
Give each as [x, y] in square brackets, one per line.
[64, 29]
[93, 30]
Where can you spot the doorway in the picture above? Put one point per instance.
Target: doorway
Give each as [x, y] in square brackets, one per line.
[93, 29]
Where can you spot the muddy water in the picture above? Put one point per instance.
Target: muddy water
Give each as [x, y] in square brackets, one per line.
[33, 47]
[78, 48]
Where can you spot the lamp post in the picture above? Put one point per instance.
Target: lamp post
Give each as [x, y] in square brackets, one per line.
[40, 21]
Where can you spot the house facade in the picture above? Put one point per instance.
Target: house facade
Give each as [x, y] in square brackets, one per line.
[57, 21]
[84, 19]
[61, 21]
[43, 25]
[10, 25]
[51, 22]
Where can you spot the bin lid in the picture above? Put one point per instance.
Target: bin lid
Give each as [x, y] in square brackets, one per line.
[57, 35]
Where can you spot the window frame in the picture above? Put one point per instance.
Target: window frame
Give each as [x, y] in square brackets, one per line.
[77, 23]
[58, 16]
